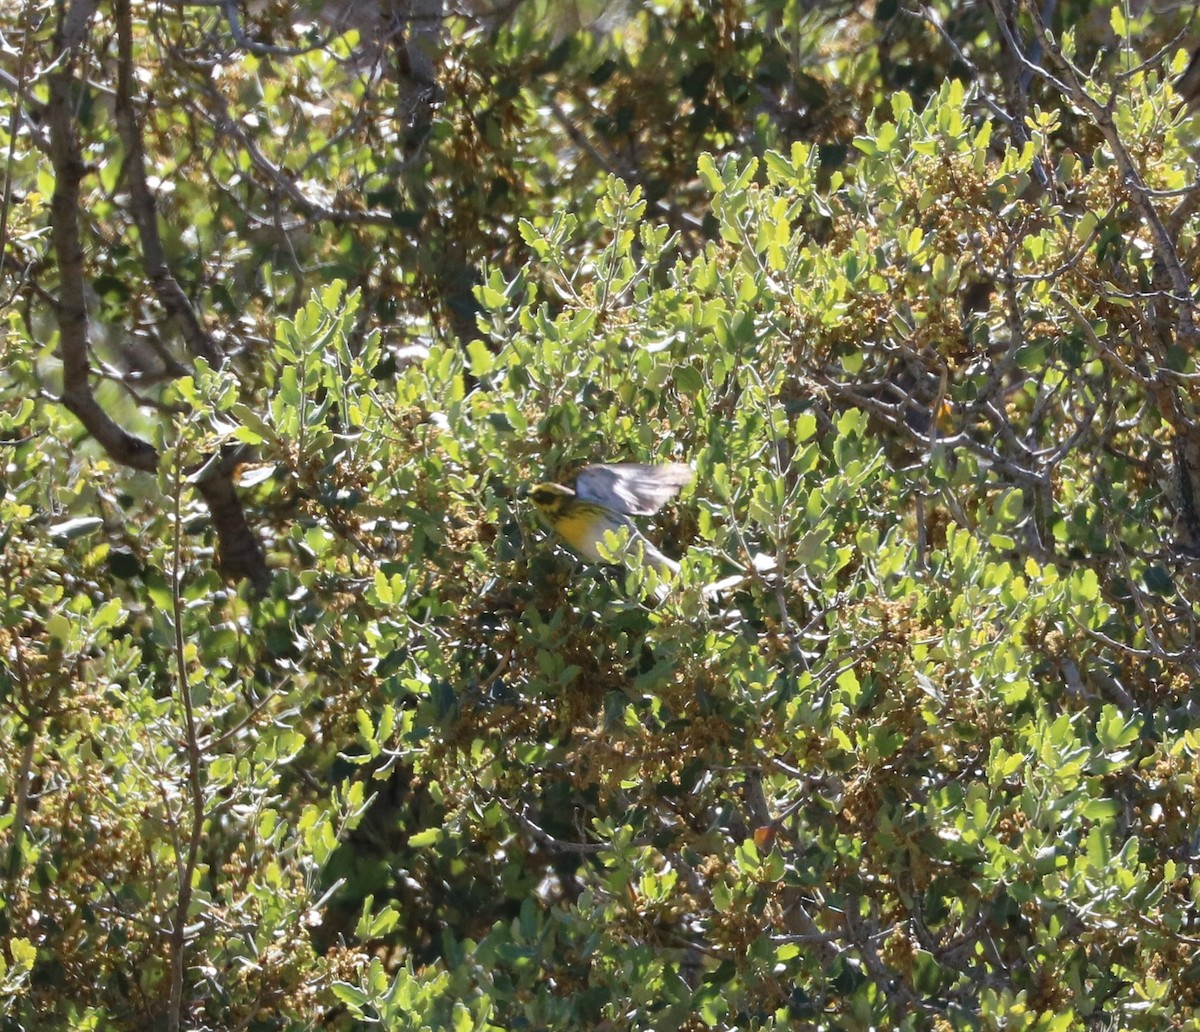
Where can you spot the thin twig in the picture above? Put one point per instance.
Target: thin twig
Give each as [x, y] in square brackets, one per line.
[187, 867]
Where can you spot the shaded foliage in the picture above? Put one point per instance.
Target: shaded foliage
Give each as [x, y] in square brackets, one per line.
[310, 725]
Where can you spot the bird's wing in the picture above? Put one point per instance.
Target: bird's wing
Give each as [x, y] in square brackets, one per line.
[633, 488]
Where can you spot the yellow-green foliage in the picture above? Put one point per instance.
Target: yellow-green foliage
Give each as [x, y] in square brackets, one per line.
[927, 761]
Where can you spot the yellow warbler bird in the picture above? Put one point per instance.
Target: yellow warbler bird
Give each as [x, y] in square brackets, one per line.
[603, 499]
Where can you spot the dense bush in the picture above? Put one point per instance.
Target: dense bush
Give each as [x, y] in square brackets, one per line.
[311, 724]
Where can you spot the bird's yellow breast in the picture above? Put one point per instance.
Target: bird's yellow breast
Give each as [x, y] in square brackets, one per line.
[583, 527]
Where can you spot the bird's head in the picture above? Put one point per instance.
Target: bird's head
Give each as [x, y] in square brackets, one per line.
[550, 498]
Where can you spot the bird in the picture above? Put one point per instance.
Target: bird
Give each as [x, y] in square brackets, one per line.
[602, 500]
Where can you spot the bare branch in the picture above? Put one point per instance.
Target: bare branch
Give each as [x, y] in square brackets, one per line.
[186, 864]
[229, 9]
[928, 14]
[240, 553]
[71, 307]
[1068, 83]
[141, 201]
[282, 181]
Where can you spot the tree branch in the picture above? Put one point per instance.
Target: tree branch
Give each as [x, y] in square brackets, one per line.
[71, 306]
[1068, 84]
[141, 201]
[240, 554]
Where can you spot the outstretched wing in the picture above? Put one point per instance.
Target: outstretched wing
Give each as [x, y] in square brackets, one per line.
[634, 488]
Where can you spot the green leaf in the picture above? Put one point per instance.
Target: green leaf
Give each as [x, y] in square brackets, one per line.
[350, 995]
[23, 954]
[423, 839]
[688, 381]
[1086, 585]
[480, 358]
[709, 174]
[1115, 731]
